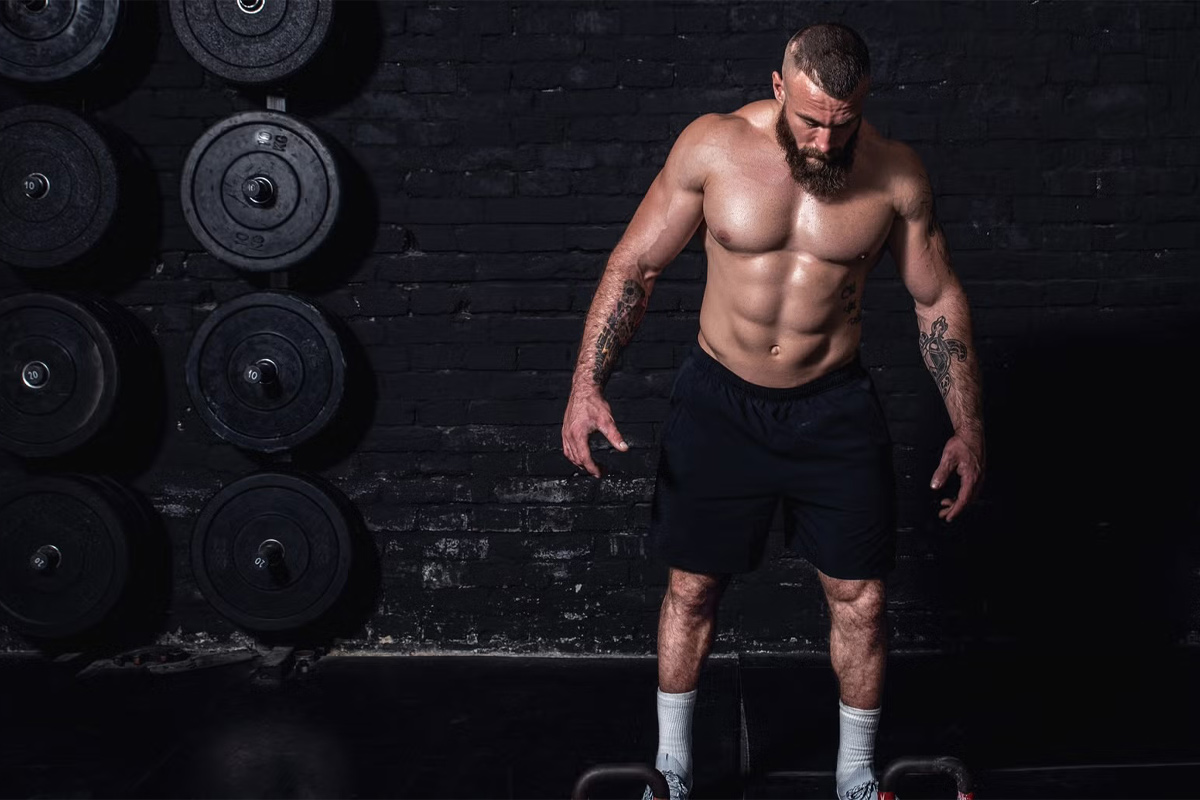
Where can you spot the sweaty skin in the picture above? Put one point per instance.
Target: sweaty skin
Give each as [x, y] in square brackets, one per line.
[796, 198]
[786, 270]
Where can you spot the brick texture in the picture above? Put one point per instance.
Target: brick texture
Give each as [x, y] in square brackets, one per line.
[496, 151]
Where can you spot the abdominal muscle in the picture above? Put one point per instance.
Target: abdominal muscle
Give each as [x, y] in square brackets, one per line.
[780, 319]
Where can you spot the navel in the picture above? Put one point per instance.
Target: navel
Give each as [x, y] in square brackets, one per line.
[774, 349]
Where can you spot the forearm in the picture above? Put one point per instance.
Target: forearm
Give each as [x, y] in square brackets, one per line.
[617, 309]
[949, 354]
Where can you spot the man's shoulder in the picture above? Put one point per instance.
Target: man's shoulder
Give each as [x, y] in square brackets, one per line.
[906, 178]
[706, 143]
[716, 128]
[901, 158]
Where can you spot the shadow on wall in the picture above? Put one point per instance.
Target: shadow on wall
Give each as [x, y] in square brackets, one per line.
[1090, 537]
[345, 63]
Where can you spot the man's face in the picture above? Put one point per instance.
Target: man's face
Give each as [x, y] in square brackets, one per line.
[818, 133]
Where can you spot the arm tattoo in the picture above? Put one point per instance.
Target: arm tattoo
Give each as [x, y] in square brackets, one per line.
[939, 351]
[851, 307]
[618, 329]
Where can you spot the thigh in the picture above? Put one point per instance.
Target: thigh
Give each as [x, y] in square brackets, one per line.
[713, 501]
[840, 490]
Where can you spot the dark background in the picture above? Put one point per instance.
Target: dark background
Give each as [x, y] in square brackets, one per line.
[494, 152]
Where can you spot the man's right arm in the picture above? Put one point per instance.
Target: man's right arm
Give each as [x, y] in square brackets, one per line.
[666, 219]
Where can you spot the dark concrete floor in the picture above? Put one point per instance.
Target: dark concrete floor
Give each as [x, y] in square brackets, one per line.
[510, 727]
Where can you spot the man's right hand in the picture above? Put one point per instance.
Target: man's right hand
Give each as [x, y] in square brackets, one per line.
[588, 411]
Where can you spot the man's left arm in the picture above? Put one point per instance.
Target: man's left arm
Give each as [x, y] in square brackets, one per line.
[918, 247]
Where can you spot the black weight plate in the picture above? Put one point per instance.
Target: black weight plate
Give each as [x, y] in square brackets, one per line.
[279, 152]
[121, 498]
[252, 41]
[58, 186]
[305, 516]
[90, 532]
[49, 40]
[59, 373]
[310, 371]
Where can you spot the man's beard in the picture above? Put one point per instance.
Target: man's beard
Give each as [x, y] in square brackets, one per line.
[824, 178]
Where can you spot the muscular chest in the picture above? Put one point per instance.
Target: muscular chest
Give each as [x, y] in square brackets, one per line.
[753, 211]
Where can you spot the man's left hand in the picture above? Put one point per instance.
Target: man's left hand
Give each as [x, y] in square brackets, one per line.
[962, 455]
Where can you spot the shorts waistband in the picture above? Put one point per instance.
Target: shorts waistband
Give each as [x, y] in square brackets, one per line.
[837, 377]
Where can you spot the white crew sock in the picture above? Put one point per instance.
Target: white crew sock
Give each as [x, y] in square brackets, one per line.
[675, 732]
[856, 753]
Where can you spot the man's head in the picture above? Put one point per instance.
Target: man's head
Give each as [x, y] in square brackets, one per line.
[826, 74]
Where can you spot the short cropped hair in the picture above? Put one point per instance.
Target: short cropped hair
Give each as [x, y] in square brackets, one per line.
[832, 55]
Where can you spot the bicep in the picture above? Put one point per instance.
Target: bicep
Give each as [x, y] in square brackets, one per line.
[917, 241]
[673, 207]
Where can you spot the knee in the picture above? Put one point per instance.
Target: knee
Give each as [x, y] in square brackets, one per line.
[859, 615]
[695, 595]
[861, 610]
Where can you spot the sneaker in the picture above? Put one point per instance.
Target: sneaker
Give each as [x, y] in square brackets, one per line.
[671, 770]
[864, 791]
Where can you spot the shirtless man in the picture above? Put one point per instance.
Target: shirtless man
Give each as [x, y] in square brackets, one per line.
[799, 196]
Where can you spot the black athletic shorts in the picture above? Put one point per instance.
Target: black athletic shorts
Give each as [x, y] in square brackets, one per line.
[733, 450]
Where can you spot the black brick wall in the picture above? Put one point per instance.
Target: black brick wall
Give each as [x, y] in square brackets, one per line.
[495, 152]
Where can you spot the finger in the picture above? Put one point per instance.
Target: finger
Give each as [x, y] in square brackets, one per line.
[609, 429]
[967, 485]
[945, 504]
[587, 463]
[579, 453]
[569, 451]
[966, 493]
[943, 471]
[956, 507]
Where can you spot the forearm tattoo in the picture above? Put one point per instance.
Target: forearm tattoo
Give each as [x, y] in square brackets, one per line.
[851, 307]
[939, 352]
[618, 329]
